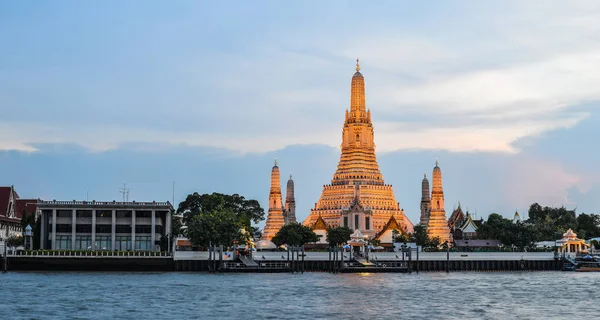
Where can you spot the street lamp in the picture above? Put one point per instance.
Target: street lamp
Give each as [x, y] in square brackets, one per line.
[28, 237]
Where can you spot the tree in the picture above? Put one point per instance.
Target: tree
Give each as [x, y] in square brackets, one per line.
[219, 227]
[294, 234]
[218, 218]
[550, 223]
[338, 236]
[35, 227]
[247, 211]
[434, 242]
[588, 226]
[402, 237]
[176, 227]
[14, 241]
[419, 235]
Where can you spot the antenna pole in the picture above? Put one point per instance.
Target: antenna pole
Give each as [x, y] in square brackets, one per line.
[125, 193]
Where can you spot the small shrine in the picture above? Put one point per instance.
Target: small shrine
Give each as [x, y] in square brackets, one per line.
[357, 241]
[570, 243]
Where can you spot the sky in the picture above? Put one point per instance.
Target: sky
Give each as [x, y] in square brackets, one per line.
[203, 95]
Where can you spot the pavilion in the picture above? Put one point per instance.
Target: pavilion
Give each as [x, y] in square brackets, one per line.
[570, 243]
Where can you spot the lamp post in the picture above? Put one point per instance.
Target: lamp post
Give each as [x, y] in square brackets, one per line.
[28, 237]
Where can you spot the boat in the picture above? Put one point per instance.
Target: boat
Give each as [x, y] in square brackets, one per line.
[587, 263]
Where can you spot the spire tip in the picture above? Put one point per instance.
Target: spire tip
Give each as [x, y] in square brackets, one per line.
[357, 65]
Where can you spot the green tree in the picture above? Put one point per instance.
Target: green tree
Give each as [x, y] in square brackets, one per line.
[419, 235]
[14, 241]
[176, 229]
[549, 222]
[219, 227]
[246, 211]
[35, 226]
[433, 243]
[338, 236]
[588, 226]
[402, 238]
[294, 234]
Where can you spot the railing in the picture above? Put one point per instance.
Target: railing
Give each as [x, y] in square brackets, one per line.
[103, 203]
[83, 254]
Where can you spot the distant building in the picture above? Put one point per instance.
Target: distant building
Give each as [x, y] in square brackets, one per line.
[12, 210]
[92, 225]
[463, 226]
[278, 214]
[516, 217]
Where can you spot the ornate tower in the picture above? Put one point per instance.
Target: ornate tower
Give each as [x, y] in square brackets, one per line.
[438, 225]
[358, 168]
[290, 201]
[425, 201]
[275, 216]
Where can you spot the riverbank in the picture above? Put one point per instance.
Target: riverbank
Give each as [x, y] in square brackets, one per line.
[265, 262]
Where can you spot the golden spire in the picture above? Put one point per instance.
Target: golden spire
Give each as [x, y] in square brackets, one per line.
[357, 65]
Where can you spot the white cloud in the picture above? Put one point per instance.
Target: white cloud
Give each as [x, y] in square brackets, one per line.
[292, 88]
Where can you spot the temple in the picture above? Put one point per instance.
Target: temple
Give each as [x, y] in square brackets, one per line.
[357, 196]
[278, 215]
[425, 201]
[290, 202]
[437, 225]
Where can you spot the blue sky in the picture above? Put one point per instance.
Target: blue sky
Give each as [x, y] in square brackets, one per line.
[206, 94]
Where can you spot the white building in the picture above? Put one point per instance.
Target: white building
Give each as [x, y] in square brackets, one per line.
[92, 225]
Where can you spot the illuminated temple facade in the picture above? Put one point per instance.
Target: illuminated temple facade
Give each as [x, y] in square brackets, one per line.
[358, 196]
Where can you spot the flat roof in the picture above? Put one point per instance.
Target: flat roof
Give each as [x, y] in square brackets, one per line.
[105, 204]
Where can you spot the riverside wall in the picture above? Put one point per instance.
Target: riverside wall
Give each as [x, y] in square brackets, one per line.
[313, 262]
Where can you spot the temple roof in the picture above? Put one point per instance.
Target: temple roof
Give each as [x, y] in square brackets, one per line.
[320, 224]
[392, 224]
[469, 225]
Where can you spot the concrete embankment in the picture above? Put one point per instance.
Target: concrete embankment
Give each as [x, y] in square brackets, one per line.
[427, 261]
[279, 262]
[24, 263]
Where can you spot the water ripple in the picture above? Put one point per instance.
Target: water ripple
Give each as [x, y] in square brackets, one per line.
[474, 295]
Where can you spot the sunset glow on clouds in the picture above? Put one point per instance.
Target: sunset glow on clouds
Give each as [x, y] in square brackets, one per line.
[441, 78]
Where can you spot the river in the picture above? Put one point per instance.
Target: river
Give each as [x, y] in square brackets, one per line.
[459, 295]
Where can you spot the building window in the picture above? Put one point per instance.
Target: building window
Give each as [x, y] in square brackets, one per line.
[64, 213]
[122, 243]
[63, 228]
[63, 242]
[356, 222]
[103, 214]
[84, 228]
[103, 228]
[367, 223]
[84, 213]
[346, 222]
[143, 214]
[143, 243]
[83, 242]
[158, 229]
[123, 214]
[103, 242]
[123, 228]
[143, 229]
